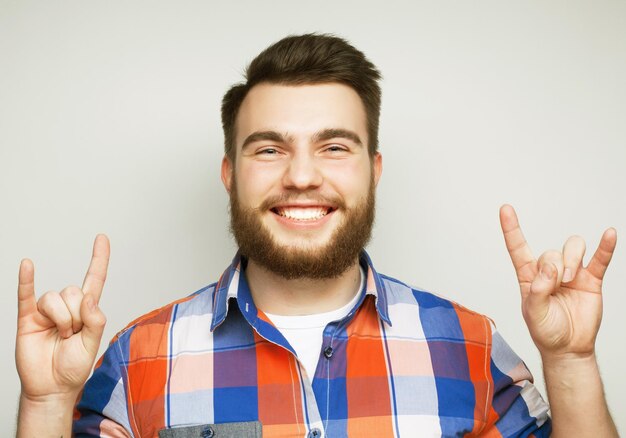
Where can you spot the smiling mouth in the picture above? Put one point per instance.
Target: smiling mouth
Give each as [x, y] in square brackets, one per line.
[302, 213]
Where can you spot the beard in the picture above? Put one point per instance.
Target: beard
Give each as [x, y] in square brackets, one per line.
[301, 261]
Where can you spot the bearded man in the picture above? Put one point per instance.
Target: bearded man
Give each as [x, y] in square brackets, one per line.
[301, 336]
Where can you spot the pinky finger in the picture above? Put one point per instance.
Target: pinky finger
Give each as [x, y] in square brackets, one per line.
[26, 302]
[602, 257]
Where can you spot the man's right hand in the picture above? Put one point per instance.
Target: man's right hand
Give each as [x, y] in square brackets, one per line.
[59, 335]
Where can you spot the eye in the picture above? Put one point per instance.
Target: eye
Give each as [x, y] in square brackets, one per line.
[336, 148]
[267, 151]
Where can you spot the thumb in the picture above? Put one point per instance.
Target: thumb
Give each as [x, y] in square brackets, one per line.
[541, 288]
[93, 324]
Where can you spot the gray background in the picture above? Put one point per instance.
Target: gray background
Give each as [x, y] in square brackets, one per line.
[109, 122]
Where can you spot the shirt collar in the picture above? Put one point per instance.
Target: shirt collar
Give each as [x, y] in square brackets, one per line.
[230, 282]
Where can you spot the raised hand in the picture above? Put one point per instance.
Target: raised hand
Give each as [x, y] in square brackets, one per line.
[59, 335]
[561, 299]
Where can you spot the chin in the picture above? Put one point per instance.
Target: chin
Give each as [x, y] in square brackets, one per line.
[301, 244]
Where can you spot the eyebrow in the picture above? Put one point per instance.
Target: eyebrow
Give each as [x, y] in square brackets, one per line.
[265, 135]
[327, 134]
[324, 134]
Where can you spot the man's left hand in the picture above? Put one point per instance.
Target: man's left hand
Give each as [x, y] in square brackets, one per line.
[561, 299]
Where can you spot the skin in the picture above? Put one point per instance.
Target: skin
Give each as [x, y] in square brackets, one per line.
[562, 307]
[57, 341]
[58, 335]
[305, 169]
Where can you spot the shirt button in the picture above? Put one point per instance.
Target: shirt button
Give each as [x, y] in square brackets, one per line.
[208, 432]
[315, 433]
[328, 352]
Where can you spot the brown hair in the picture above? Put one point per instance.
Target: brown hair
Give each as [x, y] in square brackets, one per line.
[307, 59]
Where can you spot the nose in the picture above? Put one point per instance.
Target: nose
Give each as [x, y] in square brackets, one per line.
[302, 173]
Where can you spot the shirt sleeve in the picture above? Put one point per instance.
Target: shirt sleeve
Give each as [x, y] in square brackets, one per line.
[518, 410]
[102, 408]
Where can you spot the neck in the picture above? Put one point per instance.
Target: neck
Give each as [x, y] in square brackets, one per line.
[301, 296]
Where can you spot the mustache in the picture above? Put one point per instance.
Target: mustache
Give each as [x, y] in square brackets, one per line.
[286, 198]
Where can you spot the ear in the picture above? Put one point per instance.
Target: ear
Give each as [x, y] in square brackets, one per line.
[378, 167]
[227, 173]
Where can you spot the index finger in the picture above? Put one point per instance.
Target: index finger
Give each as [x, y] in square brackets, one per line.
[516, 244]
[97, 272]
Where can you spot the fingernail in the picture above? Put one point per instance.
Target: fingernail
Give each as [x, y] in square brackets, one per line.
[546, 272]
[568, 275]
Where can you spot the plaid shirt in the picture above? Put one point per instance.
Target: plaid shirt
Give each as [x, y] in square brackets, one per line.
[403, 362]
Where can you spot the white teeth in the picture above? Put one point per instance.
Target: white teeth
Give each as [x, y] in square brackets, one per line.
[302, 214]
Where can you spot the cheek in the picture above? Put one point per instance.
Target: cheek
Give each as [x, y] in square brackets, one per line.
[254, 183]
[351, 181]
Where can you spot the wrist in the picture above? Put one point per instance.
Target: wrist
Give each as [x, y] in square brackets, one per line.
[56, 397]
[44, 416]
[569, 361]
[571, 373]
[48, 404]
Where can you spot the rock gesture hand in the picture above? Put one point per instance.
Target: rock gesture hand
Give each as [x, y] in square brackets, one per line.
[561, 298]
[59, 335]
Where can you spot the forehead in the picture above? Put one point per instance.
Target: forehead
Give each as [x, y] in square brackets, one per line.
[300, 110]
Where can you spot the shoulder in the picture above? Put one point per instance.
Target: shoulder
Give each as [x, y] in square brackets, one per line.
[154, 324]
[398, 292]
[437, 316]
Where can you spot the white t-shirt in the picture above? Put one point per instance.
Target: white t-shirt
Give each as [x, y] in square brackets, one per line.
[305, 332]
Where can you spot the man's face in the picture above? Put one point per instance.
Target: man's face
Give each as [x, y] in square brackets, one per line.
[302, 185]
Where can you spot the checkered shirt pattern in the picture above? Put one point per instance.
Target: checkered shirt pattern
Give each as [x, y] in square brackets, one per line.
[403, 362]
